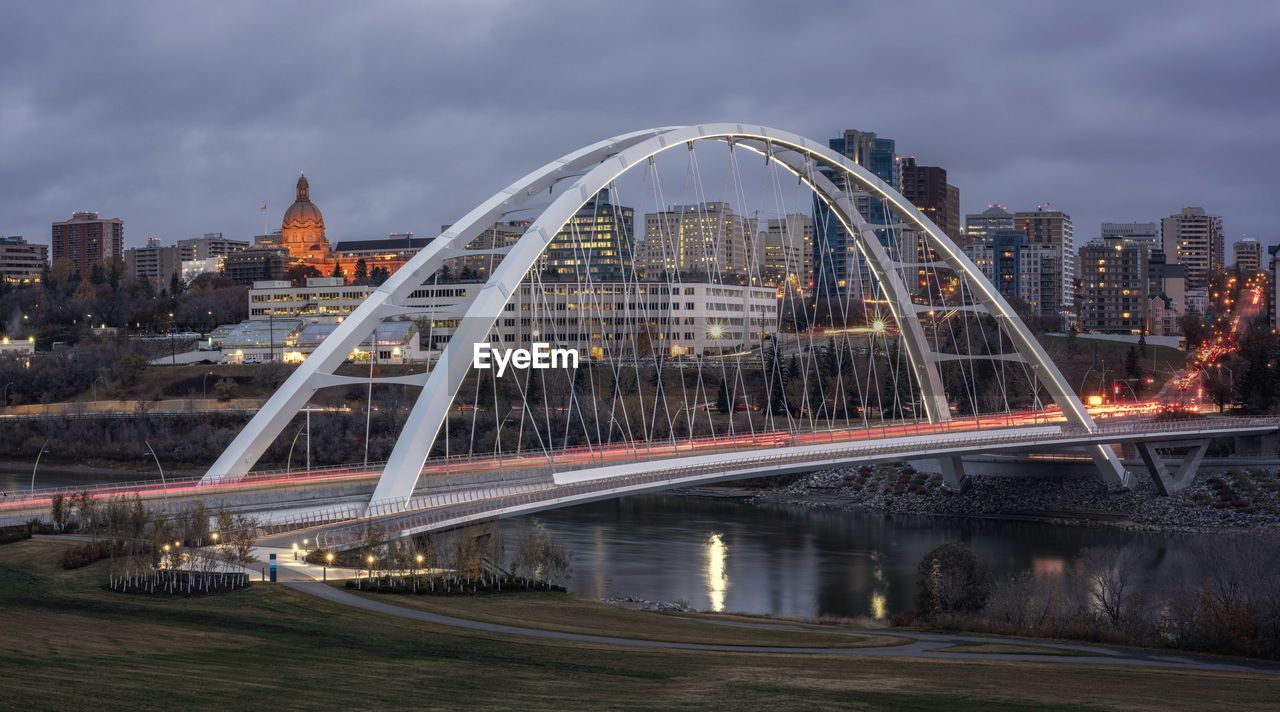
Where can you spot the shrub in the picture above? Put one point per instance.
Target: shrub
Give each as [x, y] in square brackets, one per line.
[9, 535]
[951, 582]
[82, 555]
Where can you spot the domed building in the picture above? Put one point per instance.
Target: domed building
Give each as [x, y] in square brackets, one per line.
[302, 236]
[302, 232]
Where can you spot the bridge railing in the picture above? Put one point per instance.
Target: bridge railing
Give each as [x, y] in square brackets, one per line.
[463, 507]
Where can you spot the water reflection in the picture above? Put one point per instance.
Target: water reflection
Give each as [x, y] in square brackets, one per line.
[795, 560]
[717, 579]
[879, 601]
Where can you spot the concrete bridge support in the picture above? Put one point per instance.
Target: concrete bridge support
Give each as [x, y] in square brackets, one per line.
[1257, 445]
[953, 479]
[1170, 483]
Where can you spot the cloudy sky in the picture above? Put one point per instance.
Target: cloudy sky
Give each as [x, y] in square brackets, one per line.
[184, 118]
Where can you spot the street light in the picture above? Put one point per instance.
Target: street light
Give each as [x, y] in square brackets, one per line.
[328, 561]
[204, 385]
[95, 387]
[164, 485]
[43, 450]
[6, 393]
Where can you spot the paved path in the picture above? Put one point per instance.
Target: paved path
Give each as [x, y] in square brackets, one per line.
[922, 645]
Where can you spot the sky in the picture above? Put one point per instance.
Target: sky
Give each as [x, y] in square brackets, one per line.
[186, 117]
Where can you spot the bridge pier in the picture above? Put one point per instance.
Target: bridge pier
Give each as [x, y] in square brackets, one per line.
[1170, 483]
[1257, 445]
[953, 477]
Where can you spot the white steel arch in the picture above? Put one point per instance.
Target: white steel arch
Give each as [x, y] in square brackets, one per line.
[594, 168]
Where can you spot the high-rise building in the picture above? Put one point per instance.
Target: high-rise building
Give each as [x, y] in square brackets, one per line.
[1247, 254]
[1148, 233]
[155, 263]
[979, 226]
[838, 267]
[86, 239]
[927, 188]
[1273, 254]
[597, 243]
[786, 252]
[1114, 291]
[22, 262]
[1170, 282]
[1019, 269]
[1195, 239]
[702, 239]
[1043, 226]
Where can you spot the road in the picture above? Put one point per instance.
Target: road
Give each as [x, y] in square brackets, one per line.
[922, 645]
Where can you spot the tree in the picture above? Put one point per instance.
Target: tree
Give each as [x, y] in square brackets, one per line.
[175, 285]
[338, 271]
[723, 403]
[362, 272]
[1133, 370]
[951, 582]
[299, 274]
[379, 275]
[1112, 584]
[59, 511]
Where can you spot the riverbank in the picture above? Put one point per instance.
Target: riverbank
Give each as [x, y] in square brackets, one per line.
[63, 640]
[1235, 501]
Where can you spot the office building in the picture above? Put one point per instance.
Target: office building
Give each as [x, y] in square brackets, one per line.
[1147, 233]
[1195, 239]
[255, 264]
[698, 241]
[22, 262]
[86, 239]
[596, 244]
[599, 319]
[979, 226]
[786, 252]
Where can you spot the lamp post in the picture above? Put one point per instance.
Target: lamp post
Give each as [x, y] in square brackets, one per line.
[328, 561]
[6, 393]
[95, 387]
[43, 449]
[164, 485]
[204, 385]
[288, 464]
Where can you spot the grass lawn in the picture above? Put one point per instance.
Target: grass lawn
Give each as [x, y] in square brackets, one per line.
[67, 644]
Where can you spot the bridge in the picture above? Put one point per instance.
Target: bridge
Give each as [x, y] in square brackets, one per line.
[833, 326]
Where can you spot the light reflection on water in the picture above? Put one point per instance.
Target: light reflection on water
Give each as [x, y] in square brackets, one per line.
[792, 560]
[717, 579]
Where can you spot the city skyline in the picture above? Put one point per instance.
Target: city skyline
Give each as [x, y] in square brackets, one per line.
[1092, 122]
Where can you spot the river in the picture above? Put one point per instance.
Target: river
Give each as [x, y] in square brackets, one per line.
[728, 555]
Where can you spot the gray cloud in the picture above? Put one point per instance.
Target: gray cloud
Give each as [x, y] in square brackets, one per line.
[183, 118]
